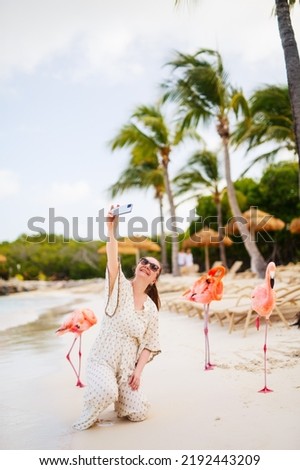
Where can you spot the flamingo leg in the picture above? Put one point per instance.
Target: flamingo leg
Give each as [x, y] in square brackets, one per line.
[207, 365]
[265, 389]
[79, 384]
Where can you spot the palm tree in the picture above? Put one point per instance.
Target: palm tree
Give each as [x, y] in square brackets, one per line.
[148, 134]
[200, 173]
[267, 119]
[145, 175]
[204, 94]
[292, 64]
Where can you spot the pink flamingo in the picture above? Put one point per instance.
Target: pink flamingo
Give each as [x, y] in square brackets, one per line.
[263, 302]
[77, 322]
[207, 288]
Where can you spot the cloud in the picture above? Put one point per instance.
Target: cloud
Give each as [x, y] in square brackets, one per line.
[34, 33]
[9, 184]
[115, 37]
[69, 193]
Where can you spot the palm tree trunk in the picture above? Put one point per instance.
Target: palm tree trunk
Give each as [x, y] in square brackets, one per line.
[206, 258]
[258, 264]
[292, 63]
[172, 225]
[164, 261]
[221, 233]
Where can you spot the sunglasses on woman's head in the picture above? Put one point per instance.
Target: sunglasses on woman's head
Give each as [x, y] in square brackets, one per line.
[152, 266]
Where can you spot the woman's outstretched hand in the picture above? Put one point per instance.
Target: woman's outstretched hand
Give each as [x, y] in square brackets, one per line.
[111, 220]
[112, 248]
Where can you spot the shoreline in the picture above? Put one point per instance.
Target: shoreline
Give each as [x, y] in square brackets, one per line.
[15, 286]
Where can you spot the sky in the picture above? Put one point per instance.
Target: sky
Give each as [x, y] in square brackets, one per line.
[72, 72]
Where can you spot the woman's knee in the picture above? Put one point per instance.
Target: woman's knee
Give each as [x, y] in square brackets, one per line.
[106, 394]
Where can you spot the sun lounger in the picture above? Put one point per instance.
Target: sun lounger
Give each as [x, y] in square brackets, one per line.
[287, 304]
[234, 268]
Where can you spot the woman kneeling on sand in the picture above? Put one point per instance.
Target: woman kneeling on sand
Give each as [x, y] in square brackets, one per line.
[127, 340]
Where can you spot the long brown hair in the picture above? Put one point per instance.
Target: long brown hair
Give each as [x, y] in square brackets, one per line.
[152, 292]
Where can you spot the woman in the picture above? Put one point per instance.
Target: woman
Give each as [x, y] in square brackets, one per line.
[127, 340]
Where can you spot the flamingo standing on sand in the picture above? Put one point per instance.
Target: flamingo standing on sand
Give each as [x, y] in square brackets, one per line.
[207, 288]
[263, 302]
[77, 322]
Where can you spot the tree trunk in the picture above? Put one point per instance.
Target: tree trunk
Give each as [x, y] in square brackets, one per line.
[206, 258]
[221, 233]
[164, 261]
[258, 264]
[292, 63]
[171, 225]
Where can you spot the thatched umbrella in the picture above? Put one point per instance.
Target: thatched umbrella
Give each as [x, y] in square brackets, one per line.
[295, 225]
[206, 238]
[134, 245]
[257, 220]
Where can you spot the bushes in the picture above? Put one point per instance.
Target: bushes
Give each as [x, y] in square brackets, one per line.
[35, 259]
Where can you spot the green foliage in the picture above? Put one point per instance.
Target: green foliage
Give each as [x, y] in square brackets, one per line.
[279, 190]
[207, 211]
[251, 190]
[51, 258]
[242, 202]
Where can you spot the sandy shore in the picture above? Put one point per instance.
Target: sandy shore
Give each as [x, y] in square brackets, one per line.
[190, 408]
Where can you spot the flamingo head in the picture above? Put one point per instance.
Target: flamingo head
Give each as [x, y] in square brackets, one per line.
[217, 273]
[271, 273]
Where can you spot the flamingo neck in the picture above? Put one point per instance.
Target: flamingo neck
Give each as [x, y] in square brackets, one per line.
[267, 279]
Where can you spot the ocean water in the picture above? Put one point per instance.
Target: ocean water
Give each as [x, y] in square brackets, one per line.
[32, 356]
[26, 307]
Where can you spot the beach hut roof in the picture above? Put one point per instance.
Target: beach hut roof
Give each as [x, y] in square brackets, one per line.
[205, 237]
[257, 220]
[295, 225]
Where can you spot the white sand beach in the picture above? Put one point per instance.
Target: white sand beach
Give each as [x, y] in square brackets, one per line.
[190, 408]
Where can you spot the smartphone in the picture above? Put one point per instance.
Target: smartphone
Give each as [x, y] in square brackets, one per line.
[122, 209]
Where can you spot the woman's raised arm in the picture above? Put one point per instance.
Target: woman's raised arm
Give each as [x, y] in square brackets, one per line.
[112, 249]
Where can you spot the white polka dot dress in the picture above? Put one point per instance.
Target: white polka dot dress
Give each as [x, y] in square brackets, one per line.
[123, 335]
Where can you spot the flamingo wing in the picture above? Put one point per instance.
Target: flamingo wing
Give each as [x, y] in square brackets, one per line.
[208, 287]
[89, 316]
[86, 320]
[77, 322]
[69, 324]
[262, 301]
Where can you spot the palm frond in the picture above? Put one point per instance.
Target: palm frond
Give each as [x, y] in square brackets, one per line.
[151, 118]
[268, 157]
[239, 103]
[126, 137]
[269, 119]
[208, 162]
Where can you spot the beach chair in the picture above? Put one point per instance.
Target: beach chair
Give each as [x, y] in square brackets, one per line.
[287, 304]
[175, 303]
[240, 309]
[234, 268]
[217, 263]
[189, 270]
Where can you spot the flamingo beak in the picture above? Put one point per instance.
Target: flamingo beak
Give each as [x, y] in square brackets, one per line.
[272, 282]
